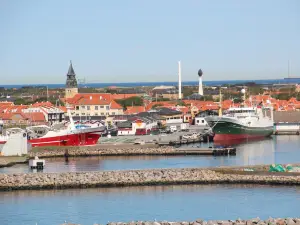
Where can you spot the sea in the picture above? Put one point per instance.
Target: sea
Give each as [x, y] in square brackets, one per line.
[168, 83]
[172, 203]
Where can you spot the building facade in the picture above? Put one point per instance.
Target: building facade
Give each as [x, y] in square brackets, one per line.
[94, 104]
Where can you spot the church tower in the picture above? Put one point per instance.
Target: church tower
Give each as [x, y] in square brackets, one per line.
[71, 83]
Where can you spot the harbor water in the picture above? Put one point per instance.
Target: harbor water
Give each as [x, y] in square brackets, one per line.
[278, 149]
[172, 203]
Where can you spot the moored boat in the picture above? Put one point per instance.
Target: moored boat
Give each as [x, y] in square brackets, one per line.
[79, 135]
[241, 123]
[43, 135]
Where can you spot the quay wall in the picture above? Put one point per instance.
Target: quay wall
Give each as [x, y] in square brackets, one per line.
[135, 178]
[255, 221]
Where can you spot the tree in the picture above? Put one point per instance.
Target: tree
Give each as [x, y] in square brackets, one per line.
[208, 98]
[181, 103]
[255, 90]
[132, 101]
[20, 101]
[163, 99]
[187, 91]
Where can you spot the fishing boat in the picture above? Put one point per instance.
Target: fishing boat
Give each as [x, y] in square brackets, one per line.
[242, 123]
[43, 135]
[79, 135]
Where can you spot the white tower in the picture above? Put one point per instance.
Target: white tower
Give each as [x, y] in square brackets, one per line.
[179, 80]
[200, 73]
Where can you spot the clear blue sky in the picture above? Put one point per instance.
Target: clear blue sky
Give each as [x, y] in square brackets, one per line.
[135, 40]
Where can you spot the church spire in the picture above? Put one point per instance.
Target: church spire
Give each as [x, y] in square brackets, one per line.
[71, 77]
[71, 70]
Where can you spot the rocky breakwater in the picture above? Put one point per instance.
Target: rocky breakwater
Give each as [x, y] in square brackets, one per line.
[256, 221]
[134, 178]
[101, 151]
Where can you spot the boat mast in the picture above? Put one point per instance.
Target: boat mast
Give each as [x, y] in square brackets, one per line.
[72, 125]
[243, 91]
[220, 102]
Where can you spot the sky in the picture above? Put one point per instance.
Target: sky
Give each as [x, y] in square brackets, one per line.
[135, 40]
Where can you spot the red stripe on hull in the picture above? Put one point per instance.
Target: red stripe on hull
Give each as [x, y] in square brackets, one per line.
[226, 137]
[80, 139]
[2, 142]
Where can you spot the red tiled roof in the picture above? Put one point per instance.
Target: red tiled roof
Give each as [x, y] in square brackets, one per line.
[38, 104]
[163, 104]
[122, 96]
[115, 105]
[134, 109]
[35, 117]
[6, 103]
[90, 99]
[63, 108]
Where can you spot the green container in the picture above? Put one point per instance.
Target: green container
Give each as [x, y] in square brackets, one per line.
[277, 168]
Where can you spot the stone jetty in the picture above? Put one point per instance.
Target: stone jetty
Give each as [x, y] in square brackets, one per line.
[136, 178]
[103, 151]
[255, 221]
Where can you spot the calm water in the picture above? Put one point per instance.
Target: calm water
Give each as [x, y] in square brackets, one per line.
[174, 203]
[279, 149]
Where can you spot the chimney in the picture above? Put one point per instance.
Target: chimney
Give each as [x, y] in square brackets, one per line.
[91, 97]
[100, 97]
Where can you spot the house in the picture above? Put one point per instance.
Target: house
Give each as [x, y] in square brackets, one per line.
[137, 126]
[94, 104]
[20, 118]
[170, 115]
[51, 114]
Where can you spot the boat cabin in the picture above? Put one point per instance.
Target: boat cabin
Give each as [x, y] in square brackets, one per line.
[242, 112]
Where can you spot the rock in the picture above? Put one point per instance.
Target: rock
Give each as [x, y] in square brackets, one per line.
[280, 222]
[290, 222]
[255, 220]
[212, 222]
[199, 221]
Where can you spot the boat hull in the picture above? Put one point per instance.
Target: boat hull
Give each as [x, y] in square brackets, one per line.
[228, 129]
[77, 139]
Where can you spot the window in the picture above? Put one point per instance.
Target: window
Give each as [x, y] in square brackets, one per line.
[96, 107]
[102, 114]
[197, 121]
[77, 107]
[102, 106]
[82, 114]
[113, 113]
[96, 114]
[88, 107]
[83, 107]
[202, 121]
[107, 107]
